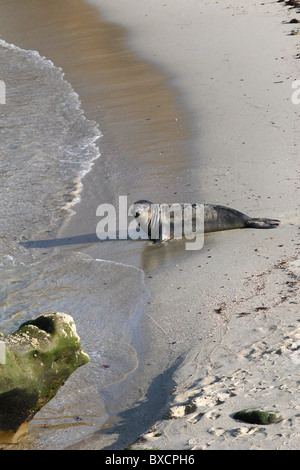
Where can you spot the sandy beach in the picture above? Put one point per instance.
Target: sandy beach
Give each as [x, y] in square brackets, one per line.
[194, 103]
[231, 311]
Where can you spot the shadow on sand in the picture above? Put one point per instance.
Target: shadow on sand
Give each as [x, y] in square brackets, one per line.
[133, 422]
[74, 240]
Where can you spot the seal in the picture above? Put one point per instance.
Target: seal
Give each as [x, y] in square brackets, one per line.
[152, 218]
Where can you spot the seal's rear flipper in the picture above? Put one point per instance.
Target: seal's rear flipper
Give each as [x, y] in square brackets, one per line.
[262, 223]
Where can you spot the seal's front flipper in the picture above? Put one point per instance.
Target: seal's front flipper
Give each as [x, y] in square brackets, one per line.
[159, 242]
[262, 223]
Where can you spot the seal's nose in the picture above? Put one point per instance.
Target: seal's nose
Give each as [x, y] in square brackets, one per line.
[132, 211]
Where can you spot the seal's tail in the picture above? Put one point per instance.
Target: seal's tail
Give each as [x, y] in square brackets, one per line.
[262, 223]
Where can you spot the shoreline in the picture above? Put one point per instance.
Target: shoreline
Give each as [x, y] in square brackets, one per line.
[218, 159]
[106, 41]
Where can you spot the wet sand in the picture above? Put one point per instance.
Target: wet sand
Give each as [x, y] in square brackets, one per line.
[189, 112]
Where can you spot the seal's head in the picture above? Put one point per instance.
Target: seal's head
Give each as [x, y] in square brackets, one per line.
[142, 210]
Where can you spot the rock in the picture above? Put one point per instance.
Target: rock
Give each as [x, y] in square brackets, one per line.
[254, 416]
[39, 357]
[293, 3]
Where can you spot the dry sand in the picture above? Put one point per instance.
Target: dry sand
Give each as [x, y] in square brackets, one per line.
[230, 312]
[256, 365]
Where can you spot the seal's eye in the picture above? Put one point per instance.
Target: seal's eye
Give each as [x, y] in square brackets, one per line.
[136, 214]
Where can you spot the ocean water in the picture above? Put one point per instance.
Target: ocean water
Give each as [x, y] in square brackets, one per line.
[47, 147]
